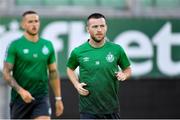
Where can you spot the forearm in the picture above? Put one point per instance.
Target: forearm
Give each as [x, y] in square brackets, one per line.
[127, 72]
[8, 77]
[55, 82]
[73, 77]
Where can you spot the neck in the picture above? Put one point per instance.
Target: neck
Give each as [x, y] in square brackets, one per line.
[33, 38]
[96, 44]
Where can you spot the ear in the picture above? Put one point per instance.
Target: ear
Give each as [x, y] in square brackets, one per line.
[22, 25]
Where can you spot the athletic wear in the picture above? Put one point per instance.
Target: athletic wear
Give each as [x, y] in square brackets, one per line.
[97, 68]
[30, 60]
[38, 107]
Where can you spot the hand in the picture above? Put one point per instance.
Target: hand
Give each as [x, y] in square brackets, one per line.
[26, 96]
[59, 107]
[121, 76]
[81, 90]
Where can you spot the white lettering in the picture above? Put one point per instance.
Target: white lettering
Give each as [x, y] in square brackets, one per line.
[77, 35]
[7, 37]
[143, 50]
[164, 40]
[52, 32]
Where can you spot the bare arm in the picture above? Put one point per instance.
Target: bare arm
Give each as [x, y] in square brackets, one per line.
[73, 77]
[124, 75]
[75, 81]
[56, 86]
[127, 72]
[7, 69]
[25, 95]
[54, 80]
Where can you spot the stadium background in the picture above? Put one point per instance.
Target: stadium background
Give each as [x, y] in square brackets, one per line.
[147, 29]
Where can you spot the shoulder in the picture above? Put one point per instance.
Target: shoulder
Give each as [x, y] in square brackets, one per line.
[114, 45]
[45, 41]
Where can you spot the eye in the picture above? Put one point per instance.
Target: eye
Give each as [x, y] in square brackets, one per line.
[36, 21]
[95, 26]
[30, 21]
[102, 26]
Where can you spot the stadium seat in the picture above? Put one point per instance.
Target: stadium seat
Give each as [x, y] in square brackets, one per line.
[168, 3]
[113, 3]
[29, 2]
[57, 2]
[148, 2]
[84, 2]
[161, 3]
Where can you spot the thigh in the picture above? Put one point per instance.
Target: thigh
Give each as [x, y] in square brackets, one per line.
[41, 107]
[20, 110]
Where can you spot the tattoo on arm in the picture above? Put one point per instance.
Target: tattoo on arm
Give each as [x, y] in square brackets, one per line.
[8, 77]
[53, 74]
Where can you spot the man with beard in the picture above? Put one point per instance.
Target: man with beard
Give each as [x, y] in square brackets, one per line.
[99, 61]
[29, 58]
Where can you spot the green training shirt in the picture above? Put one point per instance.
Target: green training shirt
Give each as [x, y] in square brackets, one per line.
[97, 67]
[30, 60]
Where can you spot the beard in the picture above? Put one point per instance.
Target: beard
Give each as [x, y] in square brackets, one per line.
[97, 40]
[32, 34]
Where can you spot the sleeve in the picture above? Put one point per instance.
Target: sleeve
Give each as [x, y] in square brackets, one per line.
[10, 54]
[73, 61]
[123, 61]
[52, 56]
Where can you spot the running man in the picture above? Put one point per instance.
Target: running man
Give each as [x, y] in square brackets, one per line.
[99, 61]
[31, 59]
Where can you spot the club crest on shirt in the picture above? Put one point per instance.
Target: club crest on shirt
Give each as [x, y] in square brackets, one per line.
[25, 51]
[45, 50]
[110, 57]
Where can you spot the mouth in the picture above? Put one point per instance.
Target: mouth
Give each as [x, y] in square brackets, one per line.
[34, 29]
[99, 34]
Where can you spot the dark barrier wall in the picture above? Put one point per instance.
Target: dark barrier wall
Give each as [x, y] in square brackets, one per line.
[145, 98]
[149, 98]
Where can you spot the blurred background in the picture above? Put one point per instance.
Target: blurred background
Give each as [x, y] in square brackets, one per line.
[149, 31]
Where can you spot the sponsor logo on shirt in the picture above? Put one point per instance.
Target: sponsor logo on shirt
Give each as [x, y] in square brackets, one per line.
[85, 59]
[35, 55]
[25, 51]
[110, 57]
[97, 62]
[45, 50]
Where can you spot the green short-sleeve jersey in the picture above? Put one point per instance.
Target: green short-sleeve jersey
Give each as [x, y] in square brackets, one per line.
[30, 60]
[97, 67]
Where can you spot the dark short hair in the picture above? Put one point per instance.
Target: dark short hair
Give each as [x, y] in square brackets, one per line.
[96, 16]
[28, 12]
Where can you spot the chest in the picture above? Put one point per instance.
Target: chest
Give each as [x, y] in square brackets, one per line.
[105, 59]
[33, 52]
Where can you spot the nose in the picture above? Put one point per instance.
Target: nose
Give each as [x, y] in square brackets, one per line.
[33, 24]
[99, 29]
